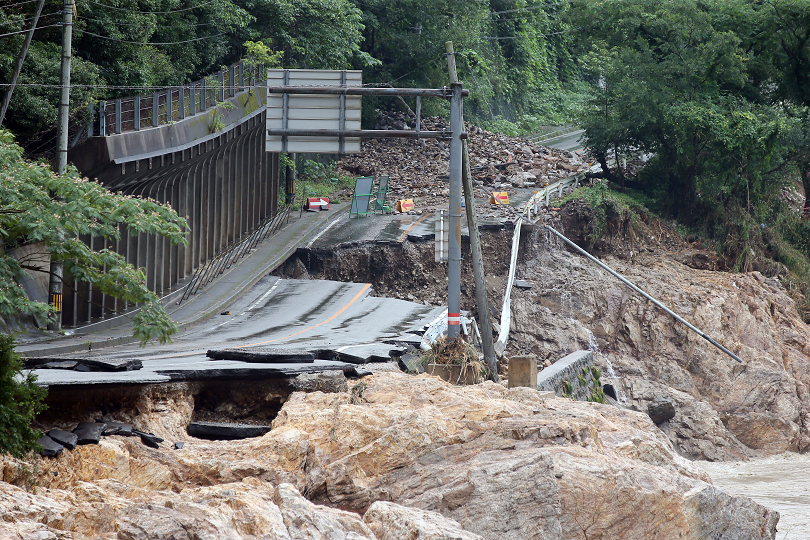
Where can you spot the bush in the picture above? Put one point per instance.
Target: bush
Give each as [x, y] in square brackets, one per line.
[20, 401]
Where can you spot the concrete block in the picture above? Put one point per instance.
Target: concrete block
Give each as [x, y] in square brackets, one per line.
[523, 371]
[568, 370]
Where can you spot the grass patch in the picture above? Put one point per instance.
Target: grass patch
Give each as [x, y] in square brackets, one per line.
[608, 205]
[322, 180]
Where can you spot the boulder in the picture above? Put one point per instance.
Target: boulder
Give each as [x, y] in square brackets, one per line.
[661, 410]
[389, 521]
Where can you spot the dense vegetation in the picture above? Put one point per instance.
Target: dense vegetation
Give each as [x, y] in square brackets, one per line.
[513, 54]
[37, 206]
[715, 92]
[20, 401]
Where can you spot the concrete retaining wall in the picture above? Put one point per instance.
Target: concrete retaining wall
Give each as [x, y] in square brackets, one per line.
[569, 369]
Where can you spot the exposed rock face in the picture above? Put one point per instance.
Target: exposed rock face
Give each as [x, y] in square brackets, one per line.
[738, 410]
[501, 463]
[389, 521]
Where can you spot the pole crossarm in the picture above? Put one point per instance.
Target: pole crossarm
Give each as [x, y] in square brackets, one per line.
[444, 92]
[365, 133]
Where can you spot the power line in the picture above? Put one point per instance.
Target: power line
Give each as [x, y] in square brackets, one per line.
[151, 12]
[24, 31]
[125, 23]
[527, 36]
[540, 6]
[17, 4]
[29, 18]
[146, 43]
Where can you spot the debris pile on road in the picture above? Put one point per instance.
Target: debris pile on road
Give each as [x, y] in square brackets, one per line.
[419, 169]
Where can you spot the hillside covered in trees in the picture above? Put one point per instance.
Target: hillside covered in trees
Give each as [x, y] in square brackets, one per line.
[714, 93]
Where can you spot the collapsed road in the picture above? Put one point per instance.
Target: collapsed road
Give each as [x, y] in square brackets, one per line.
[285, 326]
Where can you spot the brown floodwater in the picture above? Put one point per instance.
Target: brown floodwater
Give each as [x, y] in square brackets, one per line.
[781, 483]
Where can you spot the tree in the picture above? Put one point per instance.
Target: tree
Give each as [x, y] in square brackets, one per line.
[39, 207]
[675, 80]
[20, 401]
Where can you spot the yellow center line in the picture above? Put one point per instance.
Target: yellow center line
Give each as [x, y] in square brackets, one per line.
[341, 310]
[412, 226]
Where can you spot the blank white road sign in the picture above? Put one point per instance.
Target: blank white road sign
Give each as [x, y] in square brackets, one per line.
[313, 111]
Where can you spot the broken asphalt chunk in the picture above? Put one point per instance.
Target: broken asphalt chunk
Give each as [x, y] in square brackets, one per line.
[65, 438]
[118, 428]
[261, 356]
[50, 447]
[149, 439]
[225, 431]
[89, 432]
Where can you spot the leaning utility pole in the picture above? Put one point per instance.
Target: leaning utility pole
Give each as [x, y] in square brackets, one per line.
[20, 60]
[454, 251]
[55, 285]
[475, 240]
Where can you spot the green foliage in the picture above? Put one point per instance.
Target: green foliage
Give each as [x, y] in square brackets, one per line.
[597, 394]
[513, 55]
[674, 80]
[606, 204]
[20, 401]
[322, 180]
[39, 207]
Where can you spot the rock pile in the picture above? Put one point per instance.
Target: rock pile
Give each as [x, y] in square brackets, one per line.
[397, 456]
[419, 169]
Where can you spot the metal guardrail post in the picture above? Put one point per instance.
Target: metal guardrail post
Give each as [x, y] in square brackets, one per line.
[181, 102]
[241, 76]
[136, 120]
[102, 118]
[169, 115]
[231, 81]
[155, 109]
[118, 116]
[221, 80]
[91, 110]
[192, 99]
[203, 96]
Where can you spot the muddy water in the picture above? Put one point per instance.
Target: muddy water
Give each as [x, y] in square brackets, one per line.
[781, 483]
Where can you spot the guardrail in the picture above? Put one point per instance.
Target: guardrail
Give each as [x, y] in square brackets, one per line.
[206, 273]
[169, 105]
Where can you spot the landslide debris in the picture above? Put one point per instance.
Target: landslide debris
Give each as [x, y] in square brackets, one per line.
[419, 169]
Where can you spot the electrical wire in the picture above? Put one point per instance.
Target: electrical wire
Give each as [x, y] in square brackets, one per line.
[151, 12]
[539, 6]
[29, 18]
[148, 43]
[17, 4]
[521, 37]
[125, 23]
[26, 31]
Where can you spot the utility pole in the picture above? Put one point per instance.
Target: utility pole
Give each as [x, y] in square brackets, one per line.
[55, 284]
[20, 60]
[454, 255]
[475, 241]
